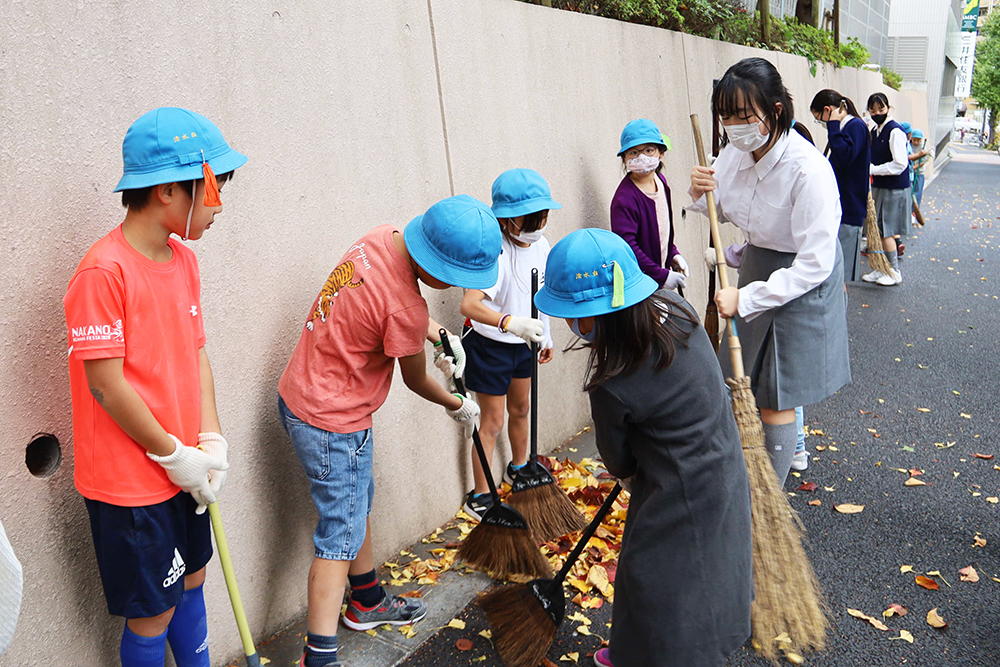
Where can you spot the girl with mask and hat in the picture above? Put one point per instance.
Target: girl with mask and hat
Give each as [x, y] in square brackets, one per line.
[641, 209]
[498, 366]
[662, 418]
[789, 307]
[891, 192]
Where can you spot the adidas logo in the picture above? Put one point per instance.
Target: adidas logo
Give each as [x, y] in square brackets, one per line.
[177, 569]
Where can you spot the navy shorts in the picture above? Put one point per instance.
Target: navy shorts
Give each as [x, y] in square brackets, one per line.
[143, 553]
[491, 365]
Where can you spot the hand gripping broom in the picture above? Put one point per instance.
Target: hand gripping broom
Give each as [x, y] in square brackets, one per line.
[526, 617]
[253, 660]
[501, 544]
[549, 512]
[787, 597]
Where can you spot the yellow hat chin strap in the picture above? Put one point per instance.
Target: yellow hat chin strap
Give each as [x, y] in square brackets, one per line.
[618, 285]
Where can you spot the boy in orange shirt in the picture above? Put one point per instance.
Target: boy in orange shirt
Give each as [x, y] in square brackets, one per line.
[143, 396]
[369, 315]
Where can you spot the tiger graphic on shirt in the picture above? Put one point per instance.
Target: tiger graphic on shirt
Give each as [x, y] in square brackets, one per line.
[341, 277]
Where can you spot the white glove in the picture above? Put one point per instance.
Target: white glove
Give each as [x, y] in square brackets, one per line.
[547, 344]
[215, 445]
[528, 328]
[188, 468]
[680, 264]
[733, 254]
[674, 280]
[451, 367]
[710, 258]
[466, 414]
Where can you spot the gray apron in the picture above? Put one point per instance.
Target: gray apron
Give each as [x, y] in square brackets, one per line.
[795, 354]
[850, 243]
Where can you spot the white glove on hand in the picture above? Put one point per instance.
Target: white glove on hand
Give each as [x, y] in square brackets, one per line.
[528, 328]
[188, 468]
[466, 414]
[451, 367]
[710, 258]
[680, 264]
[733, 254]
[674, 280]
[215, 445]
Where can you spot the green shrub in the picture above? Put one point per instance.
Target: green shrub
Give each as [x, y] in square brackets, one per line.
[891, 79]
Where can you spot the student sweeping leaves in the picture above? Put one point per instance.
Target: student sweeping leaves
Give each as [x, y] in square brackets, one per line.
[662, 417]
[789, 306]
[498, 358]
[641, 209]
[369, 315]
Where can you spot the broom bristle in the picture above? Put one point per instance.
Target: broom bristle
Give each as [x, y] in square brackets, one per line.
[549, 512]
[503, 552]
[787, 595]
[876, 256]
[522, 630]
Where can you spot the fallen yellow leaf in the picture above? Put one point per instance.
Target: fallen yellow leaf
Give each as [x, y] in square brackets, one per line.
[913, 481]
[583, 630]
[923, 409]
[978, 541]
[934, 620]
[969, 574]
[408, 631]
[904, 635]
[903, 569]
[865, 617]
[570, 657]
[457, 624]
[848, 508]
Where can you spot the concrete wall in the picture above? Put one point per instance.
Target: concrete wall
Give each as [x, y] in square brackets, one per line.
[446, 94]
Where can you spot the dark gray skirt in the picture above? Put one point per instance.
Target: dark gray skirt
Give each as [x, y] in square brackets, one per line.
[893, 208]
[850, 243]
[796, 354]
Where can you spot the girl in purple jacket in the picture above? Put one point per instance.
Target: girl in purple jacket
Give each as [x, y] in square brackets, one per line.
[641, 210]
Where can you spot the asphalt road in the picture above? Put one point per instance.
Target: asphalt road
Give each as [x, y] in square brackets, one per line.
[924, 357]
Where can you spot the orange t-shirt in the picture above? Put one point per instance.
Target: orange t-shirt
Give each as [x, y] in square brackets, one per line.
[120, 304]
[368, 313]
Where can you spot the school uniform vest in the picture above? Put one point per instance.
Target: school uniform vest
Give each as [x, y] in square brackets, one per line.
[881, 153]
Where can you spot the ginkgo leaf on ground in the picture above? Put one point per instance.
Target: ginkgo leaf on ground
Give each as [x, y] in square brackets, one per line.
[848, 508]
[913, 481]
[865, 617]
[934, 619]
[904, 635]
[969, 574]
[895, 609]
[903, 569]
[815, 503]
[457, 624]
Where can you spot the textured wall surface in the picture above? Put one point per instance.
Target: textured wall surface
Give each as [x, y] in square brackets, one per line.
[351, 118]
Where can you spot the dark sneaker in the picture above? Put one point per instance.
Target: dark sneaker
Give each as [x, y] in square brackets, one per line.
[302, 663]
[392, 610]
[509, 473]
[476, 507]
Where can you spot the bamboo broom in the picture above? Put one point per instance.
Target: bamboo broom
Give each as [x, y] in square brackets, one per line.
[501, 544]
[788, 612]
[876, 251]
[549, 512]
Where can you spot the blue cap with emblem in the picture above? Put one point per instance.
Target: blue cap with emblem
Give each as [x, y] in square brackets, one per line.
[592, 272]
[168, 144]
[457, 241]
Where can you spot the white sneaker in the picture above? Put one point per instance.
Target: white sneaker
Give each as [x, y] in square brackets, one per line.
[897, 275]
[872, 277]
[888, 280]
[800, 461]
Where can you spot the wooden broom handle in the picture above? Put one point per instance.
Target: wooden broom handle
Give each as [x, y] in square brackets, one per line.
[735, 349]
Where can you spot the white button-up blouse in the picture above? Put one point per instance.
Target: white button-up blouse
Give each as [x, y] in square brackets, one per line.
[787, 202]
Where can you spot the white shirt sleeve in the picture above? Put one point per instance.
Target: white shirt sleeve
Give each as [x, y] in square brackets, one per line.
[900, 161]
[815, 220]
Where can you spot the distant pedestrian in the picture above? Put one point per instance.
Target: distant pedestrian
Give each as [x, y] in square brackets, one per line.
[850, 155]
[789, 307]
[890, 186]
[662, 417]
[641, 210]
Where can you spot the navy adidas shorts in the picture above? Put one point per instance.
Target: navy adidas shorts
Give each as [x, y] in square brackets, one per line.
[491, 365]
[143, 553]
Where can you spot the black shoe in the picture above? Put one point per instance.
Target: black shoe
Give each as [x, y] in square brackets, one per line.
[509, 473]
[475, 506]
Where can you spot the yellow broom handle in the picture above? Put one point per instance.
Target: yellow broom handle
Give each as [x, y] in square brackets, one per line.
[234, 592]
[735, 349]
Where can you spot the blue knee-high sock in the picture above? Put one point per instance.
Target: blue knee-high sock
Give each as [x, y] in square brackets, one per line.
[800, 425]
[320, 650]
[188, 630]
[139, 651]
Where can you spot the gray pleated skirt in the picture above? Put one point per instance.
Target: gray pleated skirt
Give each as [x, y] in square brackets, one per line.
[850, 243]
[796, 354]
[893, 208]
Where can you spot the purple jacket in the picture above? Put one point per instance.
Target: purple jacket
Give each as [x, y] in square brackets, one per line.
[633, 217]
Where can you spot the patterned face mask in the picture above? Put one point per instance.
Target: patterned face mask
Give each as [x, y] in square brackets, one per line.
[643, 164]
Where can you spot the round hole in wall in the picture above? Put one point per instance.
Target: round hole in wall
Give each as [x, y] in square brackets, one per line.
[43, 455]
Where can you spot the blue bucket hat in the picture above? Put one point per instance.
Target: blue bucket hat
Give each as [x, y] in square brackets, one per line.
[457, 241]
[520, 192]
[592, 272]
[641, 131]
[918, 134]
[170, 144]
[906, 127]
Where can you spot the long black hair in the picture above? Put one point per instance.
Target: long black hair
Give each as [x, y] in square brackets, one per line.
[831, 98]
[625, 339]
[754, 83]
[878, 98]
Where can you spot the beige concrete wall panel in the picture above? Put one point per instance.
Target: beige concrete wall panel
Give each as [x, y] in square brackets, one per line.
[339, 114]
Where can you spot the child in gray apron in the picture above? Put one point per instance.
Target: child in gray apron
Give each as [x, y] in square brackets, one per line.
[789, 307]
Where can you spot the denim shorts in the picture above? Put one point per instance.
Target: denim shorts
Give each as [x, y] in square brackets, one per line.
[341, 483]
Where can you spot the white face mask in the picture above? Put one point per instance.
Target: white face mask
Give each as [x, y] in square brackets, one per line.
[529, 237]
[746, 138]
[643, 164]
